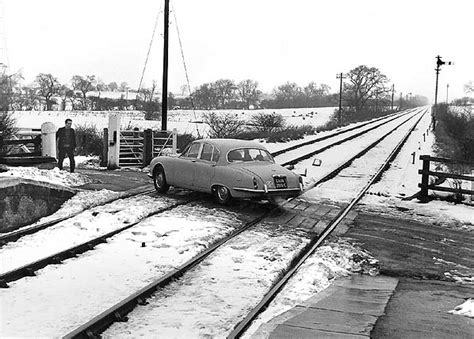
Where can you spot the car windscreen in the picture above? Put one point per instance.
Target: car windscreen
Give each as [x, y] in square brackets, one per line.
[249, 154]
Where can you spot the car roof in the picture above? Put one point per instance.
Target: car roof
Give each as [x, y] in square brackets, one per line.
[228, 144]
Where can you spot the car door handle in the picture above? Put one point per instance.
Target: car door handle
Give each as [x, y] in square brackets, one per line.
[193, 160]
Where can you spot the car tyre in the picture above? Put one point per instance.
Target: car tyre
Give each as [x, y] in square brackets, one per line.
[159, 179]
[223, 195]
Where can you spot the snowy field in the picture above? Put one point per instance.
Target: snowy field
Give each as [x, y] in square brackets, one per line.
[185, 121]
[189, 231]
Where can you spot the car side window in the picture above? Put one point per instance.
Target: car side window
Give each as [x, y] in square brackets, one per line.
[193, 150]
[215, 155]
[206, 153]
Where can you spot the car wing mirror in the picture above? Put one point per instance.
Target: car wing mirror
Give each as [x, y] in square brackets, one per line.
[317, 162]
[290, 167]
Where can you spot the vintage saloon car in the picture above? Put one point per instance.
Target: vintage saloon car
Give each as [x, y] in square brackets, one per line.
[227, 168]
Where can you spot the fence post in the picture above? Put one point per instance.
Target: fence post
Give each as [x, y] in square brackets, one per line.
[175, 140]
[424, 177]
[105, 148]
[147, 146]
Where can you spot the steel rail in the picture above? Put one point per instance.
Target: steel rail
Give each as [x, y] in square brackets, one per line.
[386, 119]
[118, 312]
[242, 326]
[17, 234]
[338, 142]
[29, 269]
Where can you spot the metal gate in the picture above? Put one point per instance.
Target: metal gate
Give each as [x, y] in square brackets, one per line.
[137, 148]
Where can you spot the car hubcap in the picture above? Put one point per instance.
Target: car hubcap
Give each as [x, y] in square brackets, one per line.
[159, 180]
[223, 193]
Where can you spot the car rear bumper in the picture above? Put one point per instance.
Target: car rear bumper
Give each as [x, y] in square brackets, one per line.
[249, 192]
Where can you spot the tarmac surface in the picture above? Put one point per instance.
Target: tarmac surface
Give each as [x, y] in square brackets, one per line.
[426, 270]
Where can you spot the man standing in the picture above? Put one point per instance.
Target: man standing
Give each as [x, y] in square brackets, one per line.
[66, 140]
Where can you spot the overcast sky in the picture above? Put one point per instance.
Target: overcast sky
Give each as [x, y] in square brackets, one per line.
[270, 41]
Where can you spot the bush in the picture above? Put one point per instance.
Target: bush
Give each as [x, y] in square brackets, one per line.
[291, 133]
[282, 135]
[89, 140]
[267, 122]
[454, 134]
[7, 125]
[7, 128]
[225, 125]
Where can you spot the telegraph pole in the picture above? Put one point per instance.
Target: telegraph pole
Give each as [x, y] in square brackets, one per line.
[339, 117]
[447, 94]
[164, 100]
[3, 44]
[393, 92]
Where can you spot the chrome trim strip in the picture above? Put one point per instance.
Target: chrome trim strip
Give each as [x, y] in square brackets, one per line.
[267, 190]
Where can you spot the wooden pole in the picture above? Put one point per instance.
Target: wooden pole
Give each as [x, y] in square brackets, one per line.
[164, 100]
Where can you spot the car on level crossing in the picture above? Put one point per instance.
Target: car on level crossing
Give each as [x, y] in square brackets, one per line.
[226, 168]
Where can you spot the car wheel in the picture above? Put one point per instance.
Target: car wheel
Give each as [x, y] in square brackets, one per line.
[223, 195]
[159, 179]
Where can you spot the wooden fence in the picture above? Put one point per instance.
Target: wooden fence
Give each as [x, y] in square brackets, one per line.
[27, 145]
[426, 172]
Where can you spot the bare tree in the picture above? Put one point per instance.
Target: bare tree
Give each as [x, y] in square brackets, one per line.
[151, 102]
[7, 85]
[83, 85]
[364, 84]
[248, 92]
[112, 86]
[225, 90]
[288, 94]
[123, 86]
[205, 97]
[47, 86]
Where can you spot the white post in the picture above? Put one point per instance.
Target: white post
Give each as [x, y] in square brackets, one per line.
[175, 140]
[48, 139]
[114, 142]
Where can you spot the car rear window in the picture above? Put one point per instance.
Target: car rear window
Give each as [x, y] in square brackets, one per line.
[249, 154]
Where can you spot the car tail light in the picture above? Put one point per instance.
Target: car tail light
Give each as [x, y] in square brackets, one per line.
[255, 183]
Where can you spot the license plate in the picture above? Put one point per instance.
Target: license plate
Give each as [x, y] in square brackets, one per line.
[280, 182]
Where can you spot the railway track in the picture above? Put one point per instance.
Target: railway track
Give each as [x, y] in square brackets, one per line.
[288, 159]
[17, 234]
[119, 311]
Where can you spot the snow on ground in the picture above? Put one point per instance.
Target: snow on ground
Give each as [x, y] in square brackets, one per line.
[54, 176]
[212, 297]
[98, 279]
[332, 260]
[185, 121]
[466, 308]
